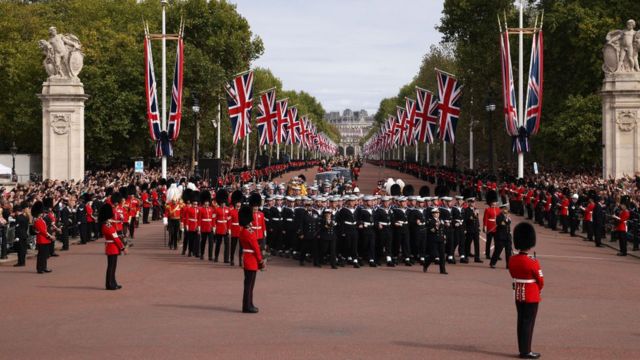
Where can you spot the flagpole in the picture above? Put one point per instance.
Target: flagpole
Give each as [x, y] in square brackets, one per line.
[247, 150]
[428, 157]
[521, 86]
[219, 126]
[404, 153]
[164, 82]
[277, 151]
[444, 153]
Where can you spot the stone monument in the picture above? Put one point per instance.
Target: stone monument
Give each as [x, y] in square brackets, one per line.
[621, 102]
[63, 100]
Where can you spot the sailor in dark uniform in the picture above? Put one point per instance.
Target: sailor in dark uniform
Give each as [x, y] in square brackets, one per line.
[364, 216]
[435, 241]
[382, 223]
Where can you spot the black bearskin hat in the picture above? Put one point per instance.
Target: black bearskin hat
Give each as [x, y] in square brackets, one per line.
[395, 190]
[301, 176]
[236, 197]
[163, 182]
[108, 191]
[144, 187]
[205, 196]
[626, 200]
[37, 209]
[105, 213]
[255, 199]
[131, 189]
[524, 236]
[492, 196]
[424, 191]
[123, 192]
[186, 195]
[47, 203]
[116, 198]
[408, 190]
[222, 196]
[520, 182]
[154, 184]
[195, 196]
[467, 193]
[245, 216]
[87, 197]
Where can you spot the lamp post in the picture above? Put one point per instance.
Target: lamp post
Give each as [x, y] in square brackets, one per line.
[14, 151]
[196, 135]
[491, 107]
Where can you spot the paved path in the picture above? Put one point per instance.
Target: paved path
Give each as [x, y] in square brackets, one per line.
[178, 307]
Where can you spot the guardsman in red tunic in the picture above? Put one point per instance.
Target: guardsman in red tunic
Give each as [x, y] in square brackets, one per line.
[564, 213]
[146, 202]
[527, 285]
[251, 257]
[258, 223]
[133, 205]
[173, 215]
[191, 225]
[118, 213]
[489, 225]
[206, 218]
[43, 238]
[588, 217]
[222, 225]
[186, 199]
[620, 229]
[234, 226]
[113, 246]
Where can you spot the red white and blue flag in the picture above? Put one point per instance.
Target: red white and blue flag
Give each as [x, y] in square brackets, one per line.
[304, 131]
[240, 102]
[266, 120]
[404, 129]
[450, 101]
[282, 121]
[151, 94]
[427, 115]
[294, 126]
[175, 114]
[534, 91]
[508, 89]
[410, 111]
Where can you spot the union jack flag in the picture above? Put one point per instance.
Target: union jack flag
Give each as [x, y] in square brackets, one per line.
[294, 126]
[410, 110]
[508, 89]
[450, 96]
[267, 117]
[175, 114]
[404, 129]
[534, 90]
[282, 117]
[151, 94]
[240, 102]
[304, 131]
[427, 115]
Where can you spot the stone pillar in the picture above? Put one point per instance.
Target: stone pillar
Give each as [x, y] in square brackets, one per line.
[63, 129]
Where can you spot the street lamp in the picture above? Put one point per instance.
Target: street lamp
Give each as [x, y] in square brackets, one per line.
[491, 107]
[14, 151]
[196, 135]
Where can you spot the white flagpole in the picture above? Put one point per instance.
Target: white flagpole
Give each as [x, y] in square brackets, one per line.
[444, 153]
[278, 151]
[521, 86]
[404, 153]
[247, 150]
[428, 157]
[219, 125]
[417, 149]
[164, 82]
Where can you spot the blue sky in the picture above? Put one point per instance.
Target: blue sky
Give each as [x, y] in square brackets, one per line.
[346, 53]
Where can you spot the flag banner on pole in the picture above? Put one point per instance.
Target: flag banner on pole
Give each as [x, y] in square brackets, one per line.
[151, 95]
[402, 121]
[395, 131]
[304, 129]
[266, 120]
[282, 120]
[450, 99]
[534, 91]
[427, 115]
[412, 128]
[175, 114]
[510, 108]
[294, 126]
[240, 102]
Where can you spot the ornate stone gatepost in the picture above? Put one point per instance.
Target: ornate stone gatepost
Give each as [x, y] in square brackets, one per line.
[621, 102]
[63, 100]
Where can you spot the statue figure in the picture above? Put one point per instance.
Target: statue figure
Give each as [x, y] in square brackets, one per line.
[621, 50]
[63, 55]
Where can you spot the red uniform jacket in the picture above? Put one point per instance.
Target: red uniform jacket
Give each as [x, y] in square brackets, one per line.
[89, 213]
[112, 243]
[489, 219]
[41, 232]
[183, 214]
[234, 226]
[206, 217]
[621, 225]
[251, 254]
[154, 198]
[222, 220]
[527, 278]
[173, 211]
[134, 207]
[564, 210]
[258, 225]
[191, 218]
[588, 212]
[145, 200]
[118, 217]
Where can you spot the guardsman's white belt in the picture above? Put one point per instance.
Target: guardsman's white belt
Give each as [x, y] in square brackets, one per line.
[193, 219]
[349, 223]
[235, 224]
[248, 251]
[384, 223]
[524, 281]
[291, 220]
[276, 219]
[222, 221]
[109, 241]
[206, 219]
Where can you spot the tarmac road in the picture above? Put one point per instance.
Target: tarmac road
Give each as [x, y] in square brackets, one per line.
[175, 307]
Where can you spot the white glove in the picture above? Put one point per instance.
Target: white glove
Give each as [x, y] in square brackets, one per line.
[165, 221]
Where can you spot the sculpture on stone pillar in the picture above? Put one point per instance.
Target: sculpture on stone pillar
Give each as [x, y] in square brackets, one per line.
[63, 55]
[621, 50]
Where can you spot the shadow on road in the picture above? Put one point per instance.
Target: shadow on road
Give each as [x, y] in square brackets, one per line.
[200, 307]
[453, 347]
